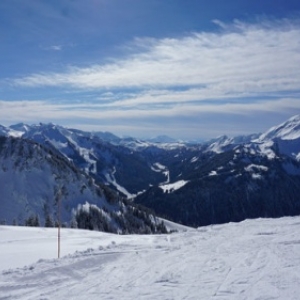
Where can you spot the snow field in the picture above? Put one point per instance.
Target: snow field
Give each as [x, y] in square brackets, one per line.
[254, 259]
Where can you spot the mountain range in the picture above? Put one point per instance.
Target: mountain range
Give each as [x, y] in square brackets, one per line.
[222, 180]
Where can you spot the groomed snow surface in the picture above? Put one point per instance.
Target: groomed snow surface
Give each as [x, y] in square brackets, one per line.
[254, 259]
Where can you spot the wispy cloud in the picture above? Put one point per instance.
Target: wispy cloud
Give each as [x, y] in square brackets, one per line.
[44, 110]
[186, 121]
[240, 69]
[56, 47]
[240, 58]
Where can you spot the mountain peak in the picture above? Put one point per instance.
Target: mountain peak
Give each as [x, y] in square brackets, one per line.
[288, 130]
[295, 118]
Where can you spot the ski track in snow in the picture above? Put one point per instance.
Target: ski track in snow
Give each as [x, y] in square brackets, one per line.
[254, 259]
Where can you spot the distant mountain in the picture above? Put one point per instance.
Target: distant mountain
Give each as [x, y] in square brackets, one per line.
[225, 179]
[289, 130]
[228, 187]
[38, 183]
[162, 139]
[108, 137]
[285, 138]
[6, 131]
[3, 131]
[224, 143]
[234, 179]
[116, 162]
[20, 127]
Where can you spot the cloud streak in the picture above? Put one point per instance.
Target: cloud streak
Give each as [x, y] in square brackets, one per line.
[240, 58]
[240, 69]
[43, 110]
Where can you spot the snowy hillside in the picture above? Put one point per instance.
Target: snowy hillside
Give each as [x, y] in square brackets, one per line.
[257, 259]
[37, 185]
[32, 178]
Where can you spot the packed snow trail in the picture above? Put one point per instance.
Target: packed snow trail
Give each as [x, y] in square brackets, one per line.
[254, 259]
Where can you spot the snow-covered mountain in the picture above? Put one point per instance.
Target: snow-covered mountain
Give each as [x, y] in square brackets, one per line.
[224, 143]
[232, 179]
[178, 180]
[37, 182]
[6, 131]
[110, 160]
[289, 130]
[126, 165]
[32, 177]
[284, 138]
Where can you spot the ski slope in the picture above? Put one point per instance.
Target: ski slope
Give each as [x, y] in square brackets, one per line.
[254, 259]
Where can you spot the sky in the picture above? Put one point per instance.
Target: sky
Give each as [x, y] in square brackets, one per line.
[190, 69]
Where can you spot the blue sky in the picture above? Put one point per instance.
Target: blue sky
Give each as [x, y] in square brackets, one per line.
[186, 68]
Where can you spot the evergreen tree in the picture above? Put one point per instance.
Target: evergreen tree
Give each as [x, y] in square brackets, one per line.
[32, 221]
[48, 221]
[73, 223]
[29, 221]
[36, 221]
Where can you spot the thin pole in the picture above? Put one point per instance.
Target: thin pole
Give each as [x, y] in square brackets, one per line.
[58, 226]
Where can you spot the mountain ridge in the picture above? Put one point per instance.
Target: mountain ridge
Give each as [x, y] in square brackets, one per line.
[154, 174]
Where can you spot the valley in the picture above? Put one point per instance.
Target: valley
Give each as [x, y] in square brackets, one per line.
[195, 184]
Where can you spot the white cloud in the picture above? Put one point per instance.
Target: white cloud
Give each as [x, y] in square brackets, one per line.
[43, 110]
[185, 121]
[241, 58]
[56, 47]
[240, 70]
